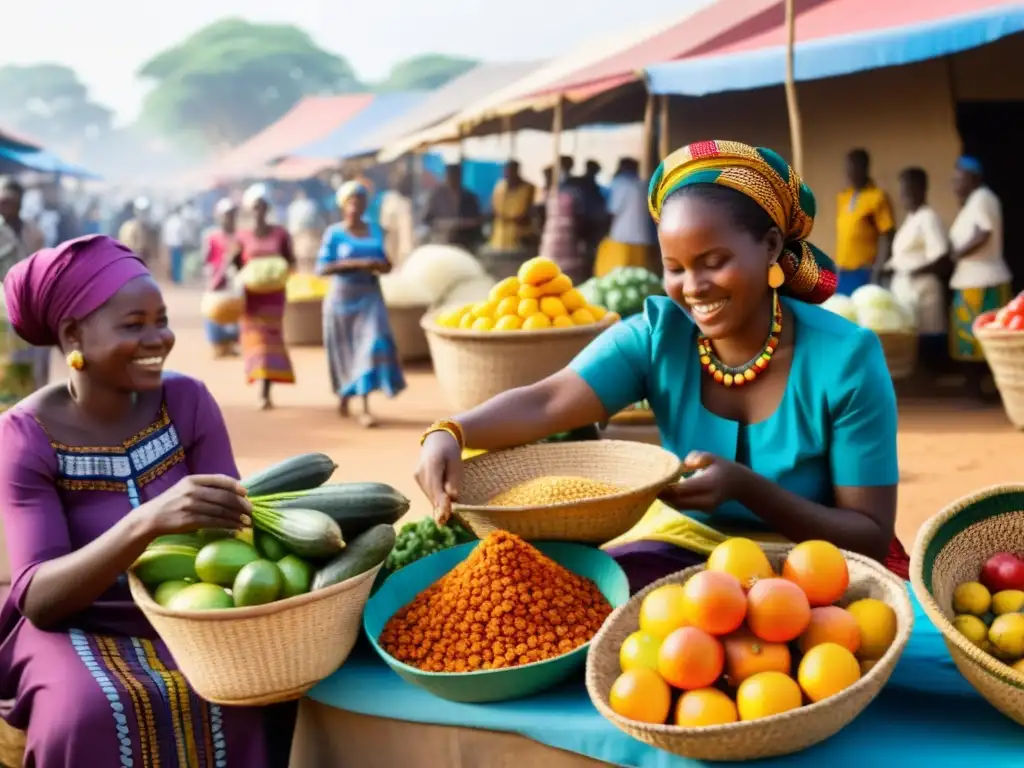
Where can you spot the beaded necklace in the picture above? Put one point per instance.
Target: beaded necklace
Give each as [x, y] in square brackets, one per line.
[749, 371]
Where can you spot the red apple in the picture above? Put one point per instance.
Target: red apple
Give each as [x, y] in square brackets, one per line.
[1004, 570]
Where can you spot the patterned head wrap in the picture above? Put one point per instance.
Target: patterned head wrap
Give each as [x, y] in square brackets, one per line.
[72, 280]
[766, 178]
[350, 189]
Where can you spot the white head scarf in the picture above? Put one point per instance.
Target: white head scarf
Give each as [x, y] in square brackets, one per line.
[349, 189]
[254, 194]
[225, 205]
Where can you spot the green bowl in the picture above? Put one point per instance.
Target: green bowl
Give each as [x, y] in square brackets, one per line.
[403, 586]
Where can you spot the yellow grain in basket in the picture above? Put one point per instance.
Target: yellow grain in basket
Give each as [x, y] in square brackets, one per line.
[542, 491]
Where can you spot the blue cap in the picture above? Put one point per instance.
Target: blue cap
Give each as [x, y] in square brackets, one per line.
[969, 164]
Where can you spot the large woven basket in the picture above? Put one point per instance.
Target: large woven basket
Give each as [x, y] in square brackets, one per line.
[303, 323]
[263, 654]
[771, 736]
[1004, 352]
[951, 549]
[901, 350]
[410, 338]
[641, 470]
[474, 366]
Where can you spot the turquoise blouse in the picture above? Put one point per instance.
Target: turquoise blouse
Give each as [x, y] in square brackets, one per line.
[835, 425]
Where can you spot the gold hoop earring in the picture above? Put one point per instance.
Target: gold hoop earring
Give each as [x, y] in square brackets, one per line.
[776, 277]
[75, 360]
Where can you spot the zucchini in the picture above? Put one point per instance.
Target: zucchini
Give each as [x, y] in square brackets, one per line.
[355, 507]
[366, 551]
[166, 562]
[299, 473]
[304, 532]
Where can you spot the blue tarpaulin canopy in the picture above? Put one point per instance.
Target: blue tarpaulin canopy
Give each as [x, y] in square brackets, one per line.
[15, 158]
[836, 55]
[357, 136]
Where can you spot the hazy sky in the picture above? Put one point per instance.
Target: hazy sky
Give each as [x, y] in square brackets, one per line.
[106, 40]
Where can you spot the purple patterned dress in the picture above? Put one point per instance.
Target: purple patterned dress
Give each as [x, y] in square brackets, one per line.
[105, 691]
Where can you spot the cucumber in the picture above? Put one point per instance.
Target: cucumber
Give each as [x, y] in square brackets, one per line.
[363, 553]
[298, 473]
[355, 507]
[305, 532]
[166, 562]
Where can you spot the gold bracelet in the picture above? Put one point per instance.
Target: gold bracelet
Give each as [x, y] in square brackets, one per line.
[453, 428]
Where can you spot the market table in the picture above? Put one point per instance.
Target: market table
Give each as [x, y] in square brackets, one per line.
[926, 715]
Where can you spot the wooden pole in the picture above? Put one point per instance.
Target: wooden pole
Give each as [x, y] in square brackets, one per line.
[556, 141]
[664, 140]
[506, 124]
[646, 167]
[796, 133]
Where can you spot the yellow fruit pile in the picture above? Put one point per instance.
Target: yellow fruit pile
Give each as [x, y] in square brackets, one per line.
[993, 622]
[305, 287]
[539, 297]
[737, 642]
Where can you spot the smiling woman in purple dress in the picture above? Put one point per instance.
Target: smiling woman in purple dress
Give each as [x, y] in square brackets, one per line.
[93, 470]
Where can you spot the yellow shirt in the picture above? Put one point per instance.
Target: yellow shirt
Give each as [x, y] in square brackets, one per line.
[861, 218]
[509, 209]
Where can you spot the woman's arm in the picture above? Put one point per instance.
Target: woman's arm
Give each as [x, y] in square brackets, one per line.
[604, 378]
[287, 252]
[50, 581]
[978, 241]
[862, 519]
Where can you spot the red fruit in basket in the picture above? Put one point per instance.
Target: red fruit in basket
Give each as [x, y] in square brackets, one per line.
[714, 602]
[690, 658]
[777, 610]
[1004, 570]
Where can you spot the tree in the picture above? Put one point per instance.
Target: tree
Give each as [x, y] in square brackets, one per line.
[425, 72]
[232, 78]
[48, 102]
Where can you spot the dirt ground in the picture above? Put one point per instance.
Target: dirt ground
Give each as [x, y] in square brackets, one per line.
[947, 448]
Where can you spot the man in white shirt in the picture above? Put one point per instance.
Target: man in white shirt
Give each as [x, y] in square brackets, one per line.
[173, 236]
[302, 213]
[630, 239]
[981, 279]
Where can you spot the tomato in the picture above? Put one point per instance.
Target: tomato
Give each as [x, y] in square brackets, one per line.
[1015, 323]
[1016, 305]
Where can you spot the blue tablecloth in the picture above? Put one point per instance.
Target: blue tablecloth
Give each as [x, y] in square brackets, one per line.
[926, 715]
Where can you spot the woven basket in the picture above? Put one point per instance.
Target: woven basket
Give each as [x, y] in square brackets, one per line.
[1004, 353]
[474, 366]
[951, 549]
[267, 653]
[304, 324]
[641, 470]
[900, 353]
[771, 736]
[410, 338]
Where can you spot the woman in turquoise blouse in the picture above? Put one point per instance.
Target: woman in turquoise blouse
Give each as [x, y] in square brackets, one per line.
[784, 413]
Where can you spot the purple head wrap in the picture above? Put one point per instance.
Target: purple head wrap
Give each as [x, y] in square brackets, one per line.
[72, 280]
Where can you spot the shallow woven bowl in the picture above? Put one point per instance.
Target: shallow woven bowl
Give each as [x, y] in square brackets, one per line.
[402, 587]
[263, 654]
[474, 366]
[950, 549]
[901, 349]
[642, 471]
[771, 736]
[1004, 353]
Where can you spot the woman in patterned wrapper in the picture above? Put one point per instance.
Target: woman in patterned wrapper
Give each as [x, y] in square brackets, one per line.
[94, 469]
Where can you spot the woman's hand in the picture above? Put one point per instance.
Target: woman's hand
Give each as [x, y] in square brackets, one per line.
[713, 482]
[198, 501]
[439, 473]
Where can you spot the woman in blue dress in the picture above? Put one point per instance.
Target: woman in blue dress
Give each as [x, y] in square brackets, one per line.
[783, 412]
[360, 347]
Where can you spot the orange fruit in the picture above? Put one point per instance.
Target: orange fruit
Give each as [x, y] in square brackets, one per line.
[705, 706]
[766, 694]
[741, 558]
[819, 569]
[690, 658]
[663, 611]
[641, 695]
[714, 602]
[877, 623]
[746, 656]
[777, 610]
[640, 649]
[827, 669]
[868, 664]
[831, 624]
